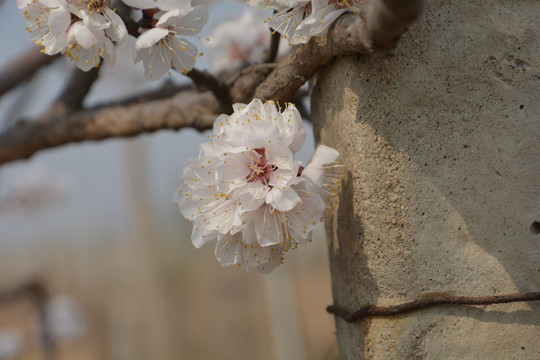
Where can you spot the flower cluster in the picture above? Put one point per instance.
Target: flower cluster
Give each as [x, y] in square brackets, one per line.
[246, 190]
[86, 31]
[299, 20]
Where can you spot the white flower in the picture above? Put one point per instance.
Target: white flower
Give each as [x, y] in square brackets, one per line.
[246, 191]
[160, 49]
[47, 23]
[97, 14]
[83, 29]
[299, 20]
[87, 45]
[238, 42]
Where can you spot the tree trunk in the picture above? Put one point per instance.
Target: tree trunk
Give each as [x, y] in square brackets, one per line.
[442, 145]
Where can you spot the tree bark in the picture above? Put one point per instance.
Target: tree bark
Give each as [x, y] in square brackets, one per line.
[443, 194]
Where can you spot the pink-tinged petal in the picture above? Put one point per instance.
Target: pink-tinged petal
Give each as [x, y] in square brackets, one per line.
[150, 38]
[117, 30]
[283, 199]
[59, 21]
[314, 170]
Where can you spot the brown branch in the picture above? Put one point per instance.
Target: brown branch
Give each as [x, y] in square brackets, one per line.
[187, 109]
[271, 54]
[372, 310]
[218, 87]
[23, 68]
[350, 34]
[384, 22]
[38, 294]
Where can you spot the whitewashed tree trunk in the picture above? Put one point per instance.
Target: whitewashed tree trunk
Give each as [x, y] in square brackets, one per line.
[442, 144]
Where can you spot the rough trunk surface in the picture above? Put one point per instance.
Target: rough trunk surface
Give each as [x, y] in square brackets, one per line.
[442, 144]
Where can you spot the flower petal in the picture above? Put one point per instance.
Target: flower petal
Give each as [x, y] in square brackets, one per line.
[283, 199]
[150, 38]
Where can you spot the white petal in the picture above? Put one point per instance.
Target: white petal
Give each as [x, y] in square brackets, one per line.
[85, 35]
[150, 37]
[117, 30]
[193, 22]
[283, 199]
[59, 21]
[314, 170]
[293, 127]
[169, 15]
[184, 55]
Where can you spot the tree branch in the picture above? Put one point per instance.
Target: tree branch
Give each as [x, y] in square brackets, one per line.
[350, 34]
[23, 68]
[385, 21]
[371, 310]
[187, 109]
[218, 87]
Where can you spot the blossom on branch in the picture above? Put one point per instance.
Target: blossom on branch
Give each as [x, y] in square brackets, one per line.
[83, 29]
[246, 191]
[299, 20]
[160, 48]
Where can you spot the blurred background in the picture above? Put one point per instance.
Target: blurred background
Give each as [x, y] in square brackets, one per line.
[95, 225]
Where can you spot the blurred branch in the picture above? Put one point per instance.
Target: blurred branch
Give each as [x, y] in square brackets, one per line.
[186, 109]
[371, 310]
[23, 68]
[37, 293]
[73, 95]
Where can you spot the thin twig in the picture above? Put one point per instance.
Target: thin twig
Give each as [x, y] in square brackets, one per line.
[23, 68]
[372, 310]
[271, 54]
[37, 292]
